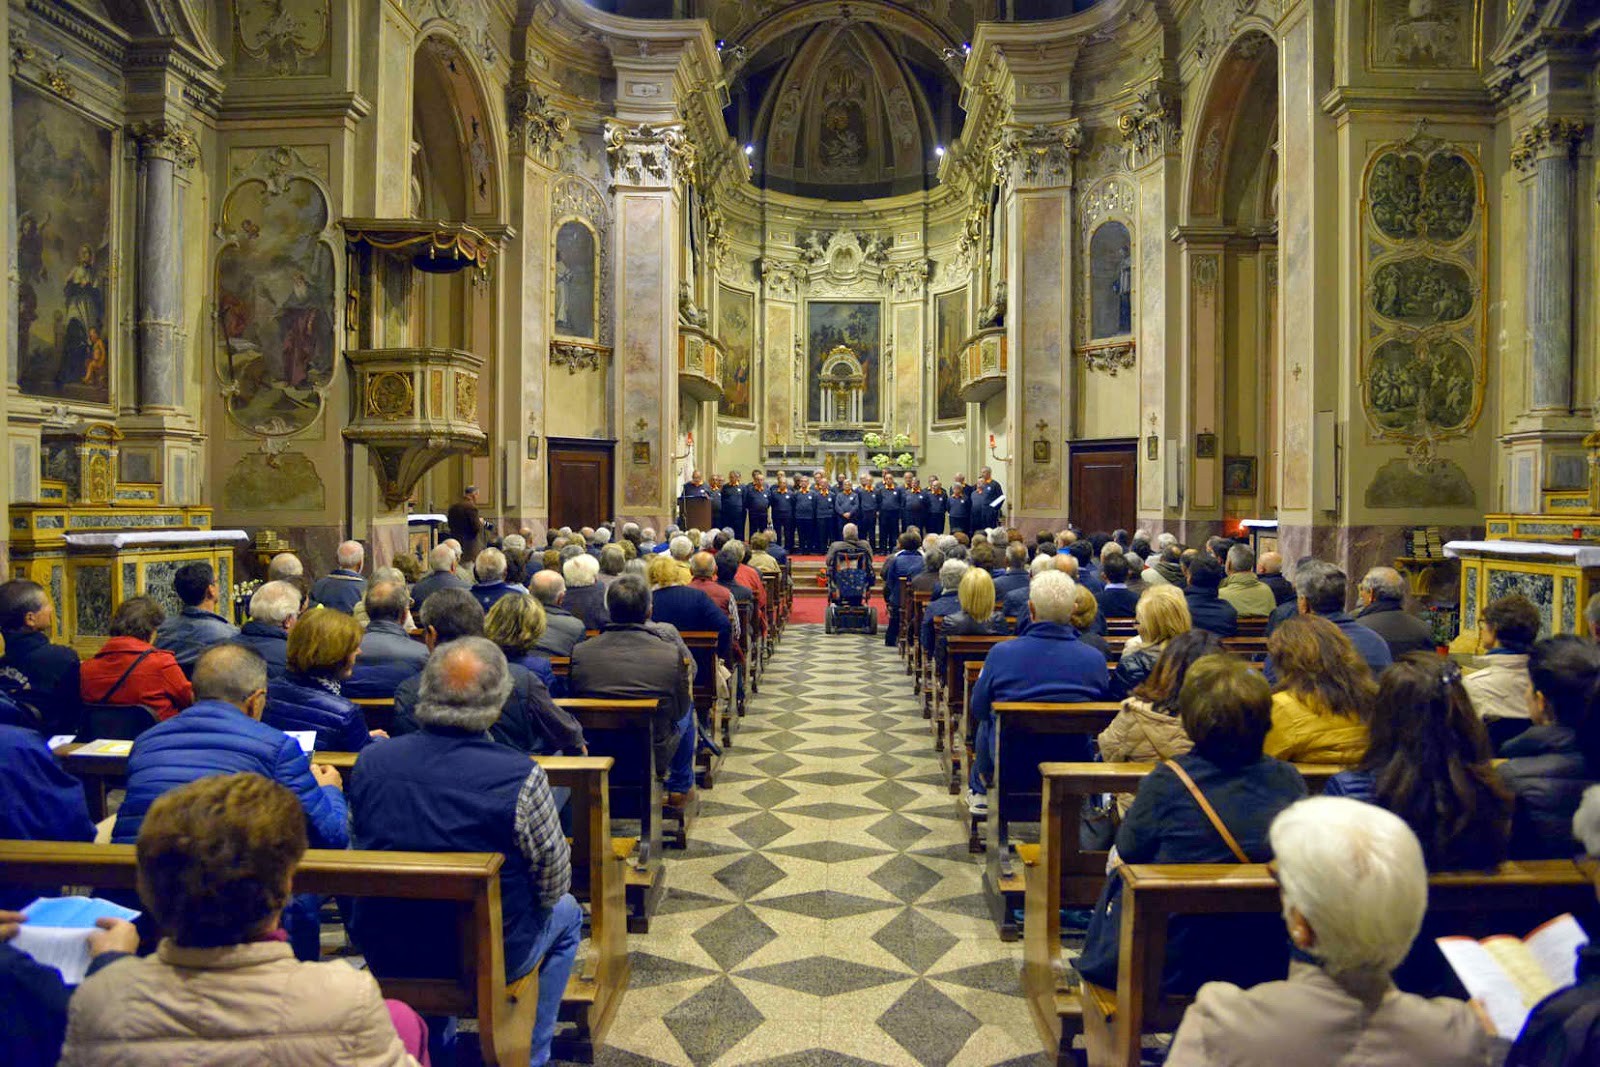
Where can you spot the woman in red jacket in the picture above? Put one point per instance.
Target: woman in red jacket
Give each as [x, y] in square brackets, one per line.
[129, 670]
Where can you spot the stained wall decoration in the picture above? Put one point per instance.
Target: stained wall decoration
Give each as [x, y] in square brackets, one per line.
[778, 371]
[1424, 275]
[858, 325]
[736, 329]
[281, 38]
[275, 297]
[64, 249]
[950, 330]
[286, 481]
[1404, 35]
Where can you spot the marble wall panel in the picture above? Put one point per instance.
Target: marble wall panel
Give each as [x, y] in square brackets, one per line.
[92, 589]
[1152, 252]
[908, 364]
[644, 228]
[778, 372]
[1299, 271]
[1044, 334]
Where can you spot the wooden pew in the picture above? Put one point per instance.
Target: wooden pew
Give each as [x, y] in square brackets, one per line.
[754, 659]
[775, 612]
[1252, 626]
[961, 650]
[1253, 649]
[561, 666]
[713, 713]
[919, 603]
[903, 592]
[378, 711]
[1122, 627]
[620, 730]
[469, 880]
[1115, 1020]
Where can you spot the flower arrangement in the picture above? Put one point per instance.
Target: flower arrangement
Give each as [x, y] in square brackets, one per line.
[902, 440]
[872, 440]
[904, 459]
[880, 460]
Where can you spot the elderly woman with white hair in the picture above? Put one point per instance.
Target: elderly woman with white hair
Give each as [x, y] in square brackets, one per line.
[1354, 889]
[586, 598]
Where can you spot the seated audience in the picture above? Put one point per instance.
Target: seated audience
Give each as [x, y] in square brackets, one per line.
[1355, 891]
[129, 670]
[529, 721]
[1046, 662]
[703, 576]
[1563, 1029]
[1015, 575]
[515, 624]
[977, 614]
[612, 559]
[674, 601]
[1226, 710]
[33, 997]
[1320, 591]
[322, 650]
[198, 625]
[39, 677]
[1207, 609]
[1429, 762]
[562, 630]
[1270, 570]
[39, 801]
[388, 654]
[1549, 765]
[1147, 728]
[1161, 615]
[410, 567]
[948, 602]
[750, 578]
[343, 587]
[1117, 601]
[1250, 596]
[490, 568]
[585, 598]
[442, 561]
[216, 859]
[906, 564]
[1381, 599]
[286, 567]
[628, 662]
[1501, 690]
[381, 574]
[927, 581]
[1323, 697]
[1086, 617]
[447, 788]
[274, 609]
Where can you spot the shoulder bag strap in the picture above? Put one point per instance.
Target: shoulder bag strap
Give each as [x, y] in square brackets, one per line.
[1210, 812]
[140, 658]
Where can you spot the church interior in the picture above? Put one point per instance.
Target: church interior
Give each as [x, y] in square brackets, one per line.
[1314, 279]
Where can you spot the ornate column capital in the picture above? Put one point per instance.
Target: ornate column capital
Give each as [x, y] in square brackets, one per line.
[533, 125]
[649, 156]
[781, 278]
[1547, 139]
[166, 139]
[1037, 156]
[1151, 128]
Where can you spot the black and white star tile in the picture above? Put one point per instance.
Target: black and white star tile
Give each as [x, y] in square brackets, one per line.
[826, 911]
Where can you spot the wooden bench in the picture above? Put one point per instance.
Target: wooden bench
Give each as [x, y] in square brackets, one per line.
[469, 880]
[902, 593]
[621, 731]
[1252, 626]
[913, 622]
[1253, 649]
[1114, 1021]
[378, 712]
[715, 715]
[961, 652]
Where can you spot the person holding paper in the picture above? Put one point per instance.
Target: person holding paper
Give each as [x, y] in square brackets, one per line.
[33, 996]
[1354, 889]
[216, 860]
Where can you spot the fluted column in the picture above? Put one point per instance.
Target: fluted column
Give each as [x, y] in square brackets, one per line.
[1546, 149]
[164, 147]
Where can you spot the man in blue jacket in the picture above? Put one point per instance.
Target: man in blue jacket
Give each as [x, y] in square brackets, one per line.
[938, 506]
[38, 801]
[388, 654]
[781, 504]
[733, 506]
[343, 587]
[907, 564]
[948, 602]
[34, 672]
[867, 514]
[960, 506]
[848, 504]
[986, 496]
[222, 733]
[826, 513]
[1047, 663]
[914, 505]
[890, 503]
[757, 500]
[197, 626]
[805, 514]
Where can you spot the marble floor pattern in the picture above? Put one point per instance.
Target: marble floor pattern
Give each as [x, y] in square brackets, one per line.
[827, 911]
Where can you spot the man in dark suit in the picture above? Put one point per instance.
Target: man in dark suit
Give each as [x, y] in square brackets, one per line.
[1382, 597]
[986, 496]
[847, 502]
[1208, 610]
[960, 506]
[938, 506]
[823, 494]
[889, 507]
[781, 503]
[464, 524]
[757, 499]
[1269, 568]
[914, 505]
[1117, 601]
[628, 662]
[733, 506]
[867, 522]
[805, 515]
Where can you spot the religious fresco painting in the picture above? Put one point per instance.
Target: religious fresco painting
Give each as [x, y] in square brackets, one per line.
[736, 312]
[1110, 282]
[576, 272]
[275, 310]
[1424, 264]
[63, 196]
[950, 324]
[858, 326]
[281, 38]
[639, 346]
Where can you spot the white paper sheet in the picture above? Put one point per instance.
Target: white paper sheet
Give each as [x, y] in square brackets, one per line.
[306, 738]
[57, 932]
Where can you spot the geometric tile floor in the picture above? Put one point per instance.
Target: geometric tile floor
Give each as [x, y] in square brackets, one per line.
[827, 911]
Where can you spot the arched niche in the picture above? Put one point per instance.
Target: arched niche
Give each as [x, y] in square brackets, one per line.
[1110, 281]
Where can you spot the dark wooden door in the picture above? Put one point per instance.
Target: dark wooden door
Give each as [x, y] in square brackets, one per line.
[580, 482]
[1104, 485]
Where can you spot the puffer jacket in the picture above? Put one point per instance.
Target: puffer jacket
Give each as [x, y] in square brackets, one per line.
[1133, 667]
[298, 702]
[251, 1004]
[1306, 733]
[1545, 770]
[216, 738]
[1141, 734]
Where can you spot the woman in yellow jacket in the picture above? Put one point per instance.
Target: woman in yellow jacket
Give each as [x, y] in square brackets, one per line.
[1323, 697]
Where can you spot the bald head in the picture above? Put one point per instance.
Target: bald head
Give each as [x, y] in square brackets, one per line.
[1270, 563]
[703, 565]
[351, 555]
[285, 566]
[464, 685]
[233, 674]
[548, 587]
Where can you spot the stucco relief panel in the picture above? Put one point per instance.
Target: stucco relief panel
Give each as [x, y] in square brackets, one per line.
[1045, 344]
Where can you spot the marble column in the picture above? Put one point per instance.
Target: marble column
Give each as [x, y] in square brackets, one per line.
[1546, 150]
[164, 147]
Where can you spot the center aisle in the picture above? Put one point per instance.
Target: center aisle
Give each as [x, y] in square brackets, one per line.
[827, 910]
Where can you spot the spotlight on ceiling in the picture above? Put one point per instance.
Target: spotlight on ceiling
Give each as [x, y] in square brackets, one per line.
[749, 149]
[938, 150]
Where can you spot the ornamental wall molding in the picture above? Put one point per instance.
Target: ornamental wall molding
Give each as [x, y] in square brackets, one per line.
[1547, 139]
[1109, 358]
[907, 279]
[1038, 156]
[532, 123]
[649, 156]
[166, 139]
[781, 279]
[1151, 128]
[577, 356]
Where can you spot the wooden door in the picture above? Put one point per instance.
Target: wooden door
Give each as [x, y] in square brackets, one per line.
[580, 481]
[1104, 485]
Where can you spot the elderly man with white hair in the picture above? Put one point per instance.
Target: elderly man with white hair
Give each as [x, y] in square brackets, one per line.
[343, 587]
[585, 597]
[1046, 662]
[1354, 890]
[441, 574]
[681, 548]
[948, 602]
[490, 569]
[1382, 599]
[448, 787]
[563, 630]
[285, 567]
[274, 608]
